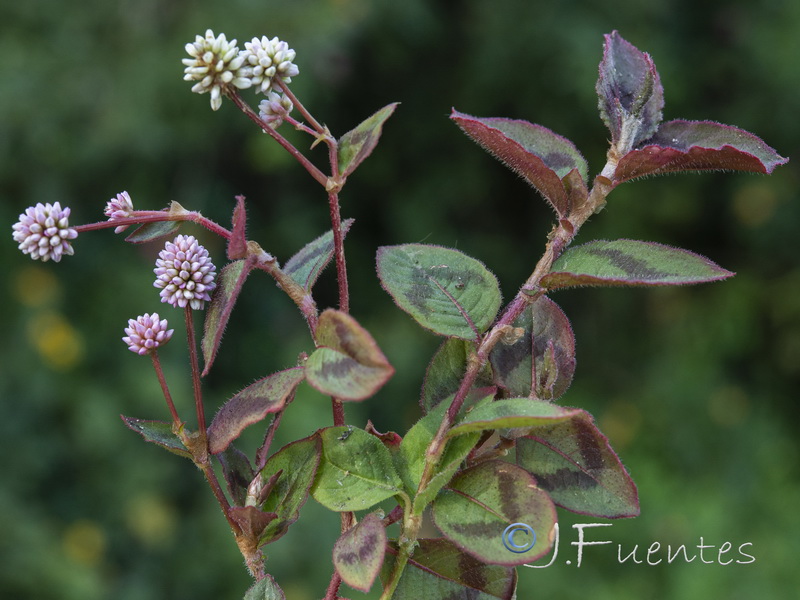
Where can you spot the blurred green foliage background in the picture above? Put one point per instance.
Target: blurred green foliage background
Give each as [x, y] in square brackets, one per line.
[696, 387]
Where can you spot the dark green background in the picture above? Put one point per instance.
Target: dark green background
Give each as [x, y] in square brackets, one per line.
[696, 387]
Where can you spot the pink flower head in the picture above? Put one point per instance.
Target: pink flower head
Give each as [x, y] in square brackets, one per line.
[185, 273]
[43, 231]
[119, 209]
[146, 333]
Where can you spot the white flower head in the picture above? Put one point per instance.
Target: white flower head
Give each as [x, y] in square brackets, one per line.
[267, 59]
[215, 64]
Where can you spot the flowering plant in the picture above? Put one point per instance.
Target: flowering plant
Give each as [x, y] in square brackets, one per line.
[491, 387]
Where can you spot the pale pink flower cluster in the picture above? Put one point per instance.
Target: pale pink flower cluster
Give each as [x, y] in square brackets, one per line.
[185, 273]
[43, 231]
[146, 333]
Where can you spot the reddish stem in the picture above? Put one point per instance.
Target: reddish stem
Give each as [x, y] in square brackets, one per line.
[198, 394]
[167, 396]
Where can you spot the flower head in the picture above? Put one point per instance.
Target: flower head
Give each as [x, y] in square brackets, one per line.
[185, 273]
[43, 231]
[268, 59]
[146, 333]
[216, 63]
[275, 108]
[118, 209]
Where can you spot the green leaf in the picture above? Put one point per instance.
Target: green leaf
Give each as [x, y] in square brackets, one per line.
[483, 501]
[265, 589]
[546, 332]
[446, 370]
[356, 470]
[358, 553]
[306, 266]
[229, 284]
[440, 571]
[159, 433]
[540, 156]
[573, 461]
[348, 365]
[513, 413]
[251, 405]
[411, 457]
[150, 232]
[444, 290]
[358, 144]
[297, 464]
[630, 263]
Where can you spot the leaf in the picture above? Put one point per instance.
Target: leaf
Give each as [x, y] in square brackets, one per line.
[306, 266]
[479, 505]
[439, 570]
[296, 466]
[358, 144]
[444, 290]
[250, 520]
[412, 455]
[150, 232]
[348, 364]
[251, 405]
[238, 473]
[358, 553]
[630, 91]
[547, 334]
[512, 413]
[573, 461]
[237, 245]
[356, 470]
[159, 433]
[697, 146]
[446, 370]
[265, 589]
[632, 263]
[229, 284]
[538, 155]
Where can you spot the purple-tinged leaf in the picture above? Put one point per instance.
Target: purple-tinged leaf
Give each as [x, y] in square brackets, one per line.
[444, 290]
[697, 146]
[547, 335]
[229, 284]
[446, 370]
[238, 473]
[265, 589]
[630, 91]
[290, 472]
[348, 364]
[237, 245]
[358, 553]
[390, 439]
[481, 502]
[251, 405]
[573, 461]
[306, 266]
[159, 433]
[630, 263]
[150, 232]
[356, 470]
[538, 155]
[358, 144]
[438, 569]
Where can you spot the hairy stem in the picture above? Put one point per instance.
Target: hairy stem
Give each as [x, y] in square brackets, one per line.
[176, 421]
[198, 393]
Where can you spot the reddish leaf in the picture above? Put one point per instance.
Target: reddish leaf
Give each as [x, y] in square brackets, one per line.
[251, 405]
[237, 245]
[358, 553]
[540, 156]
[697, 146]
